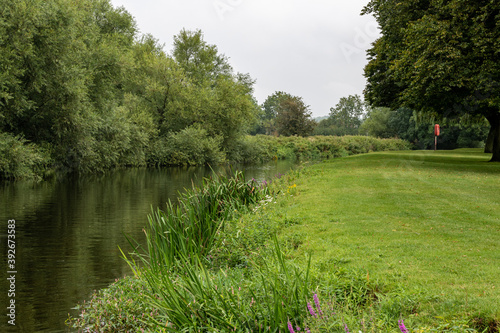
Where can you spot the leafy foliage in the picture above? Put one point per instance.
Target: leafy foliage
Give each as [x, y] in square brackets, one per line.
[284, 114]
[20, 159]
[78, 79]
[266, 148]
[190, 146]
[293, 117]
[344, 119]
[437, 57]
[418, 129]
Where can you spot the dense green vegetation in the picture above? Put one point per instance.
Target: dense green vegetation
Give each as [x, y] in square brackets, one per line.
[353, 117]
[357, 248]
[263, 148]
[345, 118]
[81, 90]
[418, 129]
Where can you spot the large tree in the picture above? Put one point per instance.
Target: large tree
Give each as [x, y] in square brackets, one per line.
[293, 117]
[269, 112]
[439, 57]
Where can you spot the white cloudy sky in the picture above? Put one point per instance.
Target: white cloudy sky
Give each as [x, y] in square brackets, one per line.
[314, 49]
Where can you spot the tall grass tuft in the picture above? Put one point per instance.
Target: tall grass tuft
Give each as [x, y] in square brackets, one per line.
[189, 228]
[194, 298]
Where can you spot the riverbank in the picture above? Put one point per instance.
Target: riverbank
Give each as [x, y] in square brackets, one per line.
[20, 159]
[372, 239]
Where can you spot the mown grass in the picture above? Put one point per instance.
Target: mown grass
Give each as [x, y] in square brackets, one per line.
[427, 221]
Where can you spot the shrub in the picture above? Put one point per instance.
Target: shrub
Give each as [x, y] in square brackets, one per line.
[190, 146]
[264, 148]
[20, 159]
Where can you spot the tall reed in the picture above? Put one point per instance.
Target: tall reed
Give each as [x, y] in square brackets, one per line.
[190, 227]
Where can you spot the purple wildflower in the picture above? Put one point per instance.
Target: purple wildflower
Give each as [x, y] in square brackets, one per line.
[316, 301]
[311, 310]
[346, 328]
[402, 326]
[307, 330]
[290, 327]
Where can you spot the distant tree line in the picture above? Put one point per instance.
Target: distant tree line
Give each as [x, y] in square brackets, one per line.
[352, 116]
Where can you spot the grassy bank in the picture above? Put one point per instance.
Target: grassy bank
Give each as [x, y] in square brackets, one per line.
[20, 159]
[364, 243]
[426, 221]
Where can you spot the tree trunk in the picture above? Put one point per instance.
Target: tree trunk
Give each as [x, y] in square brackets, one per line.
[494, 120]
[488, 147]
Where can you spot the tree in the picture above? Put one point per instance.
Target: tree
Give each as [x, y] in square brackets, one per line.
[269, 112]
[345, 117]
[63, 65]
[205, 91]
[78, 84]
[437, 57]
[293, 116]
[417, 128]
[201, 61]
[377, 124]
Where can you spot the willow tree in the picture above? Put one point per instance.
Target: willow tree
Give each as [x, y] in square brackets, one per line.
[222, 100]
[439, 57]
[63, 66]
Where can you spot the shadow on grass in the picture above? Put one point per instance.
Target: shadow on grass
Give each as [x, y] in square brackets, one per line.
[460, 160]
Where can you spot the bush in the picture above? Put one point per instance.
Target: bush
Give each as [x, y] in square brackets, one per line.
[265, 148]
[190, 146]
[20, 159]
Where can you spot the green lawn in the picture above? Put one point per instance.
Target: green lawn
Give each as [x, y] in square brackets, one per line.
[430, 221]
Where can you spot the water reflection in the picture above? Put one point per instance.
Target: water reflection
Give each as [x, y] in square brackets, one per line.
[68, 233]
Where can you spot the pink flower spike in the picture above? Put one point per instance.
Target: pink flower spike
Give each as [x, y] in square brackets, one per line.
[311, 310]
[402, 326]
[316, 301]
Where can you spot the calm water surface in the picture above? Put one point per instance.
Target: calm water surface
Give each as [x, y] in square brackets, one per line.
[68, 234]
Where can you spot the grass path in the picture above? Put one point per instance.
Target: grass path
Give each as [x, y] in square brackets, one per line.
[430, 220]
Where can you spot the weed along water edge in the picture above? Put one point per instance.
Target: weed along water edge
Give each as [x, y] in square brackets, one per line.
[382, 242]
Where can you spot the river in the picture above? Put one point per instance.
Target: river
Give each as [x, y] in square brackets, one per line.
[68, 233]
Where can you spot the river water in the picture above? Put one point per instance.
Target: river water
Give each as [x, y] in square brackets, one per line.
[68, 233]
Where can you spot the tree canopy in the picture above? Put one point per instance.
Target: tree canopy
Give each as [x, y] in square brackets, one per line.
[345, 118]
[438, 57]
[80, 85]
[287, 115]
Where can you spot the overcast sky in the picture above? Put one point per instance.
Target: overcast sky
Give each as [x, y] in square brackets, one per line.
[314, 49]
